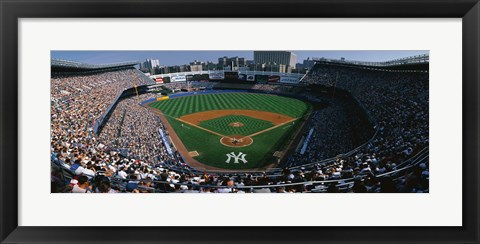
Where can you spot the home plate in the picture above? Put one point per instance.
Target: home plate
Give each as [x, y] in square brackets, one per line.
[193, 153]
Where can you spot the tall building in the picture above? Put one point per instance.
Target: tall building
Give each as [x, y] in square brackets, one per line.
[233, 62]
[209, 66]
[307, 64]
[273, 67]
[277, 57]
[196, 66]
[256, 67]
[151, 64]
[223, 61]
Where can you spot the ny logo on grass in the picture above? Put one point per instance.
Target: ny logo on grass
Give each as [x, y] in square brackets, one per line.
[240, 156]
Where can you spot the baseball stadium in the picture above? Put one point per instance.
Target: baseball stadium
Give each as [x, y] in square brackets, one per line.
[341, 126]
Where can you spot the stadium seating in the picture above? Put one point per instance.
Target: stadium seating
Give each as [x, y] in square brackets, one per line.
[385, 151]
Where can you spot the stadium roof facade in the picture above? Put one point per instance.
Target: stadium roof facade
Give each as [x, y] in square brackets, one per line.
[61, 66]
[419, 62]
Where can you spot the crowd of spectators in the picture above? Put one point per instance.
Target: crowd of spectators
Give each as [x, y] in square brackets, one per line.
[129, 156]
[133, 129]
[332, 130]
[396, 101]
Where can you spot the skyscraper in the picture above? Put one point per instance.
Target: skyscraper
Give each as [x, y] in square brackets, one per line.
[277, 57]
[233, 61]
[151, 63]
[196, 66]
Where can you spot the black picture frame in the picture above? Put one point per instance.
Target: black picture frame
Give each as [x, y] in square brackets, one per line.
[12, 10]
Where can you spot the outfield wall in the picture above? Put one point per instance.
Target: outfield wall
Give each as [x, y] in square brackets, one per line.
[185, 94]
[233, 76]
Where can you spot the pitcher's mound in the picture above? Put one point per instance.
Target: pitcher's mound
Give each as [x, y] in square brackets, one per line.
[236, 141]
[236, 124]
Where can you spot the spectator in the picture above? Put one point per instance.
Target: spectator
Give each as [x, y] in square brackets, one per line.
[83, 185]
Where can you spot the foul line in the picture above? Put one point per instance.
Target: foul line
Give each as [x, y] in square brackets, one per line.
[252, 135]
[199, 127]
[218, 134]
[188, 123]
[268, 129]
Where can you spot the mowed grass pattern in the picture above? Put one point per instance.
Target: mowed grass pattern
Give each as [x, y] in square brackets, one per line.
[211, 151]
[177, 107]
[222, 125]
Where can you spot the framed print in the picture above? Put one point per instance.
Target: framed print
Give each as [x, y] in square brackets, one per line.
[148, 106]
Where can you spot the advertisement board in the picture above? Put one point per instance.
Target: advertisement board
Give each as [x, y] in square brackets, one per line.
[179, 78]
[219, 75]
[250, 77]
[261, 78]
[242, 77]
[273, 78]
[231, 76]
[159, 80]
[199, 77]
[204, 77]
[289, 79]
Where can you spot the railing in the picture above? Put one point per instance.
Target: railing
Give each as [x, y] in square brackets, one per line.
[100, 122]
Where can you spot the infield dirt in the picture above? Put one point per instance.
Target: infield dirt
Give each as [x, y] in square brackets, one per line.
[197, 118]
[236, 141]
[179, 144]
[230, 140]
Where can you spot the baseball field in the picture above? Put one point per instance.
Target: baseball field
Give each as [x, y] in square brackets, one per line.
[233, 130]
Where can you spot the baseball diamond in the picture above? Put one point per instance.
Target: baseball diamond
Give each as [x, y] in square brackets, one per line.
[222, 125]
[260, 123]
[218, 126]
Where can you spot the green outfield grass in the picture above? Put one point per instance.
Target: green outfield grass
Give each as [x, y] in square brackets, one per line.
[211, 151]
[186, 105]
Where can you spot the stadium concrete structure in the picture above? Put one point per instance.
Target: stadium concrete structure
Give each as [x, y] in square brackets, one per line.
[345, 126]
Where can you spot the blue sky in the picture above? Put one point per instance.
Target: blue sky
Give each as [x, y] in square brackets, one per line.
[183, 57]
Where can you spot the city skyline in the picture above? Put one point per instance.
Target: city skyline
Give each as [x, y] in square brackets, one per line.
[172, 58]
